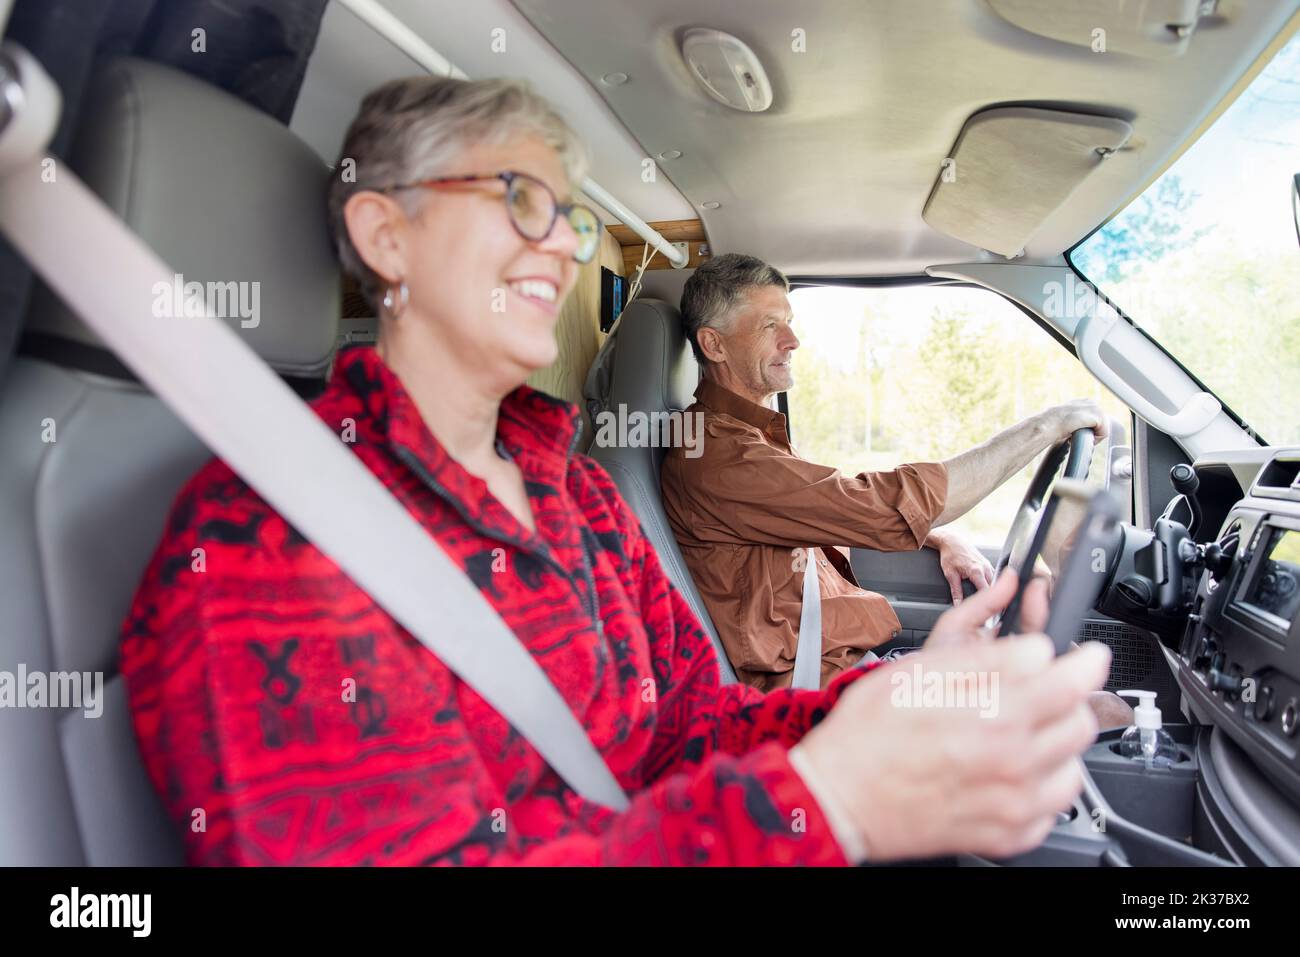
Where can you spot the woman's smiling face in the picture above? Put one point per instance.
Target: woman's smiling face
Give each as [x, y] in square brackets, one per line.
[494, 295]
[490, 296]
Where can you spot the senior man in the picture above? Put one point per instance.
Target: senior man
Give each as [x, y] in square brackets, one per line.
[747, 507]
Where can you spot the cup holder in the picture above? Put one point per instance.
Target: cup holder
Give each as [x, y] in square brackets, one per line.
[1183, 755]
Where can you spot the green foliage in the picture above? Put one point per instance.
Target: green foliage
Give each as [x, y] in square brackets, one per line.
[962, 389]
[1151, 228]
[1234, 321]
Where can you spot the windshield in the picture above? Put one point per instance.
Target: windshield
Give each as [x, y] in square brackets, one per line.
[1206, 259]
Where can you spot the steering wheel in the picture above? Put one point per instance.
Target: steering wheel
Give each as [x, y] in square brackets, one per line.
[1076, 453]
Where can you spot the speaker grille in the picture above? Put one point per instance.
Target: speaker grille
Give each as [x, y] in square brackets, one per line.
[1136, 662]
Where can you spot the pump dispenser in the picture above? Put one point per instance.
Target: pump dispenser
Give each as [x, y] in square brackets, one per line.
[1147, 740]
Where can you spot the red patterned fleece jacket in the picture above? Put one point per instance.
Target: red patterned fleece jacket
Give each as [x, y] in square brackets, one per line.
[271, 694]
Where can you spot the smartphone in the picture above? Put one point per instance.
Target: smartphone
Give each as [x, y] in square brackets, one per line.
[1077, 529]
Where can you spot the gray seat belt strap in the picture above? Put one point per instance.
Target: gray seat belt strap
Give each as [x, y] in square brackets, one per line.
[808, 654]
[245, 414]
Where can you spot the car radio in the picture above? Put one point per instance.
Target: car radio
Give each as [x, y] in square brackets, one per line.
[1268, 593]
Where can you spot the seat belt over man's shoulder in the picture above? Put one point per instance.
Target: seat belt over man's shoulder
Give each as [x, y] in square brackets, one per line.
[808, 654]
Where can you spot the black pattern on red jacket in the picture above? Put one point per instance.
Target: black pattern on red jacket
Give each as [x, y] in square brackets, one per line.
[238, 675]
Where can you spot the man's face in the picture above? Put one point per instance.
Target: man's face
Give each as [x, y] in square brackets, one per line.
[753, 352]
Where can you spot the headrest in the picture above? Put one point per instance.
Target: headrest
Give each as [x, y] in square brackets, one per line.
[646, 364]
[224, 194]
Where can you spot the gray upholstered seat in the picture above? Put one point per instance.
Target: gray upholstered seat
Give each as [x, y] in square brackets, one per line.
[223, 193]
[652, 370]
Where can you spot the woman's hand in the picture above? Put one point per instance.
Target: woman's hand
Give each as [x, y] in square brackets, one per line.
[921, 775]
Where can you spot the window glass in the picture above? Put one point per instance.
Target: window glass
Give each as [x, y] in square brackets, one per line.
[885, 376]
[1206, 260]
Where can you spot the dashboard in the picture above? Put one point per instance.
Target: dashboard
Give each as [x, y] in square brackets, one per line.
[1216, 583]
[1237, 660]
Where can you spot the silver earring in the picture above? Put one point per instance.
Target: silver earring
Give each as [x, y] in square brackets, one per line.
[395, 300]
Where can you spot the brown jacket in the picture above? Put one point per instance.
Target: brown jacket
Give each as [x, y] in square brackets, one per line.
[747, 503]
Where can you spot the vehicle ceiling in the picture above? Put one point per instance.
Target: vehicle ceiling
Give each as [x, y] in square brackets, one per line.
[832, 179]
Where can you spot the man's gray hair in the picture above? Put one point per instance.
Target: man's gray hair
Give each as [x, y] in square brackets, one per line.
[416, 128]
[715, 288]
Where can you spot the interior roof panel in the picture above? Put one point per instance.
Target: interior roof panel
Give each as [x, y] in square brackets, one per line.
[351, 59]
[833, 178]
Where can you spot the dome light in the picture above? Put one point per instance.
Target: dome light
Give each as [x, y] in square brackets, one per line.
[727, 69]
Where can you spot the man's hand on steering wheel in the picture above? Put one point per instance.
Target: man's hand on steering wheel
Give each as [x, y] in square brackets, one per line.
[1078, 425]
[1069, 417]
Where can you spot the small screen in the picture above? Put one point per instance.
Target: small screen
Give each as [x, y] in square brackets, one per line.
[1276, 587]
[612, 292]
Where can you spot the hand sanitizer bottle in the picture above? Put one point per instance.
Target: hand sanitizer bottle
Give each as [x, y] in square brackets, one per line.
[1147, 740]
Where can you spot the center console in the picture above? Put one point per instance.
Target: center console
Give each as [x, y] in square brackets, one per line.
[1226, 610]
[1212, 808]
[1238, 662]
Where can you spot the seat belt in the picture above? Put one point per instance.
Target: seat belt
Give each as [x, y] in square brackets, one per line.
[245, 414]
[808, 654]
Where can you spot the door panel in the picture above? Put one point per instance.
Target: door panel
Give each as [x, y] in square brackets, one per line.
[914, 585]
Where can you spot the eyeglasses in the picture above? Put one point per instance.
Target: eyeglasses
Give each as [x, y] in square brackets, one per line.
[533, 209]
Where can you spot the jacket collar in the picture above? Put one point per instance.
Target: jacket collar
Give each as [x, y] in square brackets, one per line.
[714, 397]
[535, 429]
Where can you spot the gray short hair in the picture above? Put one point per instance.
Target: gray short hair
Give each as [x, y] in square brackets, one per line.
[415, 128]
[717, 286]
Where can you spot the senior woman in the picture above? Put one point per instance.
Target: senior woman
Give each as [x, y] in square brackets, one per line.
[285, 718]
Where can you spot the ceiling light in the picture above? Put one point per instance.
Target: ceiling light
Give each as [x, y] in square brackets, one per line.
[614, 79]
[670, 154]
[727, 69]
[710, 205]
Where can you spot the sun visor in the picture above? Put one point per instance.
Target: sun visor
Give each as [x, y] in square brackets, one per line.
[1146, 28]
[1012, 168]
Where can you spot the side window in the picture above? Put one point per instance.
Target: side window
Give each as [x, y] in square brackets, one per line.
[921, 373]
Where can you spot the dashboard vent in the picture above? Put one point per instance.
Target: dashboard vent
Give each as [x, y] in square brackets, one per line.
[1280, 478]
